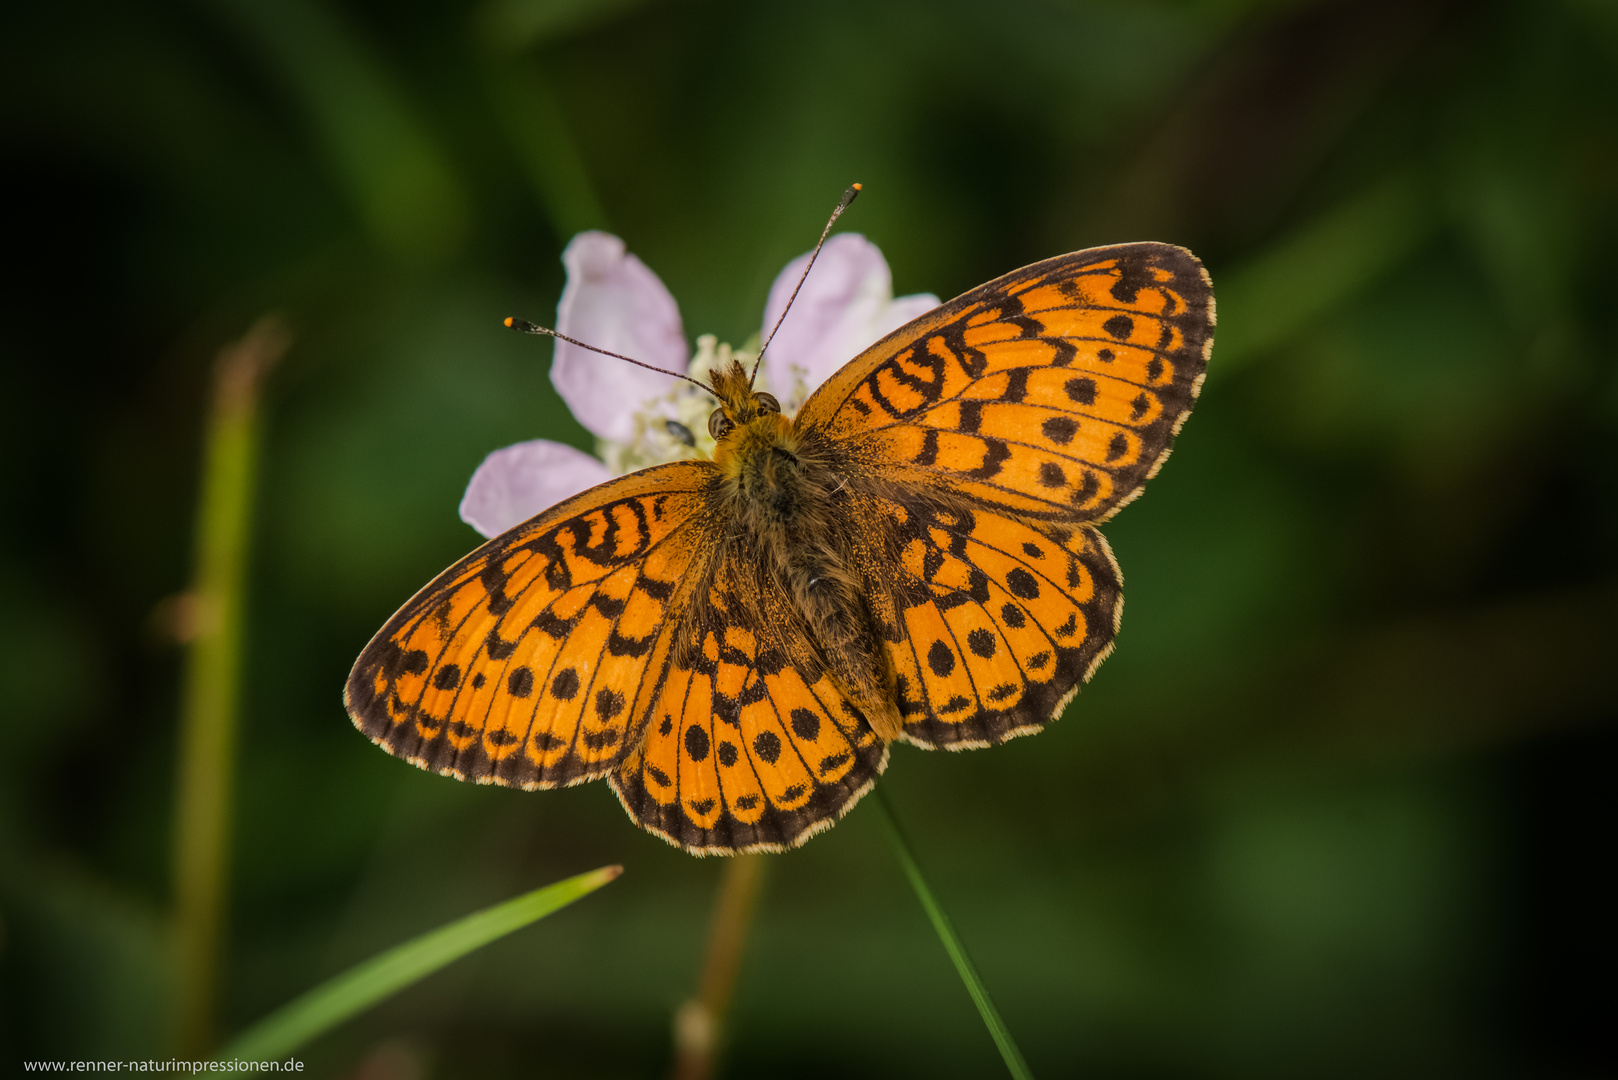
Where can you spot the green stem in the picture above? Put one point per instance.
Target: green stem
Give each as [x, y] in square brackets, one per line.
[699, 1023]
[952, 945]
[367, 983]
[212, 621]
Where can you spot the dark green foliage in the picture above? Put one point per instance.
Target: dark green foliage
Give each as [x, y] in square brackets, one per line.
[1333, 808]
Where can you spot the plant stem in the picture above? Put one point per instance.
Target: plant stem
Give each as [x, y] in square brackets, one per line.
[953, 945]
[212, 676]
[699, 1022]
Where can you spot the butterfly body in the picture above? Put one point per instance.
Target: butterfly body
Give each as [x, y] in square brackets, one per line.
[914, 557]
[787, 523]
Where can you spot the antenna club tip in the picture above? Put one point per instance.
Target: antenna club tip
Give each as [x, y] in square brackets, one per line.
[510, 322]
[848, 196]
[857, 187]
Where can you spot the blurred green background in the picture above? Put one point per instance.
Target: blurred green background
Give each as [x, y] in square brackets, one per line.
[1336, 807]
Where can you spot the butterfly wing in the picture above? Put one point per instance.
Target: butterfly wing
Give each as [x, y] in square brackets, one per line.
[1052, 393]
[548, 657]
[987, 437]
[525, 663]
[748, 746]
[991, 622]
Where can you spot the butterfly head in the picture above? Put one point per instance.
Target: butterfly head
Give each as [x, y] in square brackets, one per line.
[743, 411]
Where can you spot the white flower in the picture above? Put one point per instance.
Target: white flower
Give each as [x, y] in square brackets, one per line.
[614, 301]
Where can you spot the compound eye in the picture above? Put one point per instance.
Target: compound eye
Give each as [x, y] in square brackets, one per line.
[718, 423]
[766, 402]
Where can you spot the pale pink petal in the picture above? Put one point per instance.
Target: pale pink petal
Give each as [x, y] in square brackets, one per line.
[845, 305]
[901, 311]
[514, 484]
[614, 302]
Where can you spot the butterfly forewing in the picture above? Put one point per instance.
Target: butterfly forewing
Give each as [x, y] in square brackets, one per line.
[523, 663]
[1051, 393]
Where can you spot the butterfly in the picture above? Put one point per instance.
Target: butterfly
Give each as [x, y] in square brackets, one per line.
[735, 643]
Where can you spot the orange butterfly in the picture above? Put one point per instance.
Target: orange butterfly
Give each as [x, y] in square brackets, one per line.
[735, 643]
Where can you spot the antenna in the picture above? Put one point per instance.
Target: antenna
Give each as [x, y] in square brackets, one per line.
[842, 204]
[531, 328]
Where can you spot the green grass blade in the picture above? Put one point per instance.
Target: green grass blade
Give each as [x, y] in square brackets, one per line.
[362, 986]
[998, 1031]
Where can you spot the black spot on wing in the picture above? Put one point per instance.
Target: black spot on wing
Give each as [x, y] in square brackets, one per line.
[805, 724]
[497, 647]
[1059, 429]
[982, 642]
[696, 742]
[520, 683]
[1022, 584]
[609, 703]
[1082, 391]
[566, 685]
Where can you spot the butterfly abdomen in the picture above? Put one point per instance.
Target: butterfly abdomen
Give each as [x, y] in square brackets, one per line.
[783, 501]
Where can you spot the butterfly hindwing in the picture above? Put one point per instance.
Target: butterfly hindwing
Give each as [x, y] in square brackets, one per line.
[1053, 393]
[524, 663]
[747, 748]
[1000, 621]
